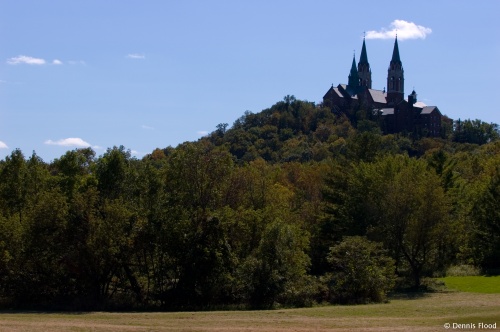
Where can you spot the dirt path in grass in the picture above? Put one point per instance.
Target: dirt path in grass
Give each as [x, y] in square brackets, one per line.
[427, 313]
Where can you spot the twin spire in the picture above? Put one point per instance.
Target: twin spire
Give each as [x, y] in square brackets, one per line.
[364, 71]
[361, 77]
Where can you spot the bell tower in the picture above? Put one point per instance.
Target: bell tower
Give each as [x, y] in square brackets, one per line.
[395, 77]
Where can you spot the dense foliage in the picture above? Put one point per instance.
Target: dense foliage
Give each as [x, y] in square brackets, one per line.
[260, 214]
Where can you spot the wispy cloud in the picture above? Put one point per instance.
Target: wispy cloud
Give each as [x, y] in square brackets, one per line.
[57, 62]
[202, 132]
[147, 127]
[403, 29]
[77, 62]
[23, 59]
[136, 56]
[3, 145]
[72, 141]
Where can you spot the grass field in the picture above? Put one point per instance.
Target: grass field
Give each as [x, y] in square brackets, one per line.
[426, 313]
[476, 284]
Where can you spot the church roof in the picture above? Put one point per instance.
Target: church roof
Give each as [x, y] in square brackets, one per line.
[336, 90]
[378, 96]
[429, 109]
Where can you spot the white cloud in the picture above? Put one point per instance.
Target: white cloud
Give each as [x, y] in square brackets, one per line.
[3, 145]
[202, 132]
[57, 62]
[23, 59]
[77, 62]
[72, 141]
[134, 152]
[147, 127]
[136, 56]
[403, 29]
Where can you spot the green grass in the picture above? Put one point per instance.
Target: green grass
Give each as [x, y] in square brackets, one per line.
[426, 312]
[474, 284]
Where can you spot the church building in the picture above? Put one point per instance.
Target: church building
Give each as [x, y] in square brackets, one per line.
[397, 113]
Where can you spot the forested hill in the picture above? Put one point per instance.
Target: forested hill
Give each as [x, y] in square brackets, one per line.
[295, 130]
[289, 207]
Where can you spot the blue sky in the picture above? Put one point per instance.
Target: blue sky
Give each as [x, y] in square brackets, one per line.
[147, 74]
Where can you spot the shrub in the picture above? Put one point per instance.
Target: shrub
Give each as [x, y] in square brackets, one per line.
[462, 271]
[362, 272]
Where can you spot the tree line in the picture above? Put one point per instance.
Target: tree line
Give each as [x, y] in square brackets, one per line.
[288, 207]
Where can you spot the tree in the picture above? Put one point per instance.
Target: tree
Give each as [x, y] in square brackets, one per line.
[41, 279]
[277, 270]
[12, 185]
[111, 172]
[361, 271]
[414, 215]
[395, 200]
[196, 182]
[485, 218]
[475, 131]
[73, 169]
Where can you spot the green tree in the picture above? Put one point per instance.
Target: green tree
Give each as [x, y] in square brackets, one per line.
[395, 200]
[12, 185]
[485, 218]
[475, 131]
[361, 271]
[277, 270]
[196, 182]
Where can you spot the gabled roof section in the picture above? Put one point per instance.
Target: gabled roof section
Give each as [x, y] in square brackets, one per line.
[346, 91]
[336, 90]
[378, 96]
[429, 109]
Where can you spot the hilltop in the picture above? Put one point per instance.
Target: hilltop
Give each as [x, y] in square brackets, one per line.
[291, 206]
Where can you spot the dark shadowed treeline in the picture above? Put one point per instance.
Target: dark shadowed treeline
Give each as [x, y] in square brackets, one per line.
[287, 207]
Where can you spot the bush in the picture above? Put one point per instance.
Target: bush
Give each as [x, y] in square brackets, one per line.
[361, 272]
[462, 271]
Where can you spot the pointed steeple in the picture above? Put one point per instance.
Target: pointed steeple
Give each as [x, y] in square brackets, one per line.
[395, 77]
[395, 52]
[353, 66]
[364, 71]
[364, 57]
[353, 81]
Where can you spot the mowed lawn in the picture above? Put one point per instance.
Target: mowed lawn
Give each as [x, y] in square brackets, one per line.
[427, 313]
[475, 284]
